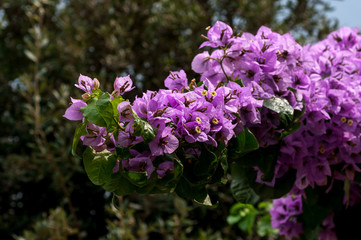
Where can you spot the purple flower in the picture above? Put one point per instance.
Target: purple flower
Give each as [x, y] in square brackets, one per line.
[218, 35]
[164, 168]
[95, 137]
[126, 138]
[125, 112]
[291, 229]
[139, 162]
[85, 83]
[200, 62]
[123, 85]
[176, 80]
[328, 229]
[283, 215]
[165, 142]
[74, 112]
[345, 37]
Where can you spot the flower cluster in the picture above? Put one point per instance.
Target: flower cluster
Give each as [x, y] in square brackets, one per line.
[327, 147]
[267, 64]
[284, 215]
[189, 114]
[255, 91]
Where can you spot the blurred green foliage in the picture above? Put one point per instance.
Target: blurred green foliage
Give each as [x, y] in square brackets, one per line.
[45, 44]
[252, 219]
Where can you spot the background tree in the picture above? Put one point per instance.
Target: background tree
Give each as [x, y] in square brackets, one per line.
[47, 43]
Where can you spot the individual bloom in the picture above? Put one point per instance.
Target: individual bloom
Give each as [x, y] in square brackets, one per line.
[328, 227]
[198, 117]
[266, 33]
[140, 106]
[201, 62]
[335, 97]
[345, 37]
[95, 136]
[300, 80]
[316, 122]
[352, 144]
[279, 214]
[221, 127]
[156, 111]
[291, 229]
[294, 205]
[284, 213]
[320, 170]
[193, 132]
[110, 143]
[125, 112]
[123, 85]
[196, 126]
[74, 112]
[248, 71]
[216, 72]
[174, 101]
[85, 83]
[126, 139]
[327, 234]
[165, 168]
[218, 35]
[165, 142]
[176, 80]
[303, 178]
[261, 91]
[139, 162]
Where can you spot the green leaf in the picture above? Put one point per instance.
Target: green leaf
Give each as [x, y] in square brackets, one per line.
[197, 193]
[169, 182]
[99, 165]
[232, 219]
[199, 83]
[246, 216]
[250, 143]
[243, 143]
[246, 224]
[122, 153]
[119, 185]
[264, 226]
[99, 111]
[282, 107]
[264, 158]
[144, 129]
[79, 131]
[240, 186]
[282, 186]
[313, 215]
[139, 179]
[292, 129]
[239, 81]
[206, 164]
[115, 102]
[317, 205]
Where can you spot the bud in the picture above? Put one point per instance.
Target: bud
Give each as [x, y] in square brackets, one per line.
[115, 93]
[86, 96]
[96, 83]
